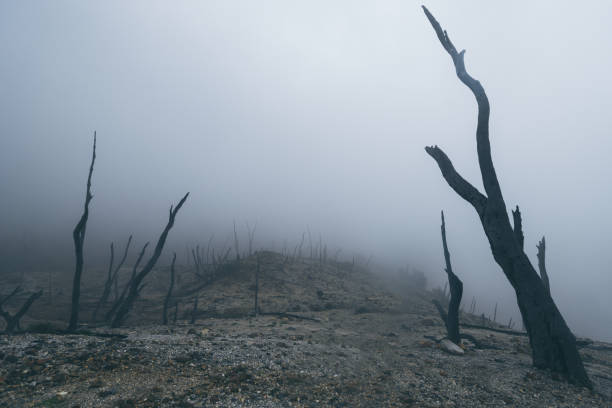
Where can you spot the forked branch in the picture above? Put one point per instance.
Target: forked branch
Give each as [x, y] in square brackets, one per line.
[461, 186]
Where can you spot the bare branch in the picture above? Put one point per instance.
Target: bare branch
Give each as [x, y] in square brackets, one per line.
[489, 177]
[542, 263]
[135, 285]
[78, 236]
[461, 186]
[518, 227]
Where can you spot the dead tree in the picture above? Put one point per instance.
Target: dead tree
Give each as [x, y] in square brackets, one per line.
[135, 284]
[236, 247]
[251, 233]
[12, 321]
[112, 278]
[169, 295]
[116, 272]
[451, 320]
[108, 284]
[552, 342]
[120, 299]
[542, 264]
[78, 236]
[256, 306]
[194, 311]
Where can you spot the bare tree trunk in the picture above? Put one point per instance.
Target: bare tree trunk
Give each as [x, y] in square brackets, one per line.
[135, 284]
[236, 247]
[118, 268]
[78, 236]
[169, 295]
[251, 236]
[194, 311]
[256, 306]
[120, 299]
[552, 342]
[542, 264]
[108, 284]
[518, 227]
[12, 322]
[456, 292]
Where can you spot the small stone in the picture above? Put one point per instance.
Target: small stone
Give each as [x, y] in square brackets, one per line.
[451, 347]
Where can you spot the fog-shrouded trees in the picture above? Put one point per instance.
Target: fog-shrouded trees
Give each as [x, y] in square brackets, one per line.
[12, 320]
[169, 294]
[78, 236]
[451, 319]
[552, 343]
[135, 285]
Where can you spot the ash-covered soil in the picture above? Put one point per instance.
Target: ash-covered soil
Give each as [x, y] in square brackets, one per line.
[360, 346]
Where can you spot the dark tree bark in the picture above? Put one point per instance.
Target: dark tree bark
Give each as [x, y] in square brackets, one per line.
[119, 300]
[542, 264]
[552, 342]
[12, 321]
[115, 278]
[78, 236]
[518, 227]
[10, 295]
[107, 285]
[194, 311]
[135, 285]
[169, 295]
[456, 292]
[236, 247]
[256, 306]
[251, 233]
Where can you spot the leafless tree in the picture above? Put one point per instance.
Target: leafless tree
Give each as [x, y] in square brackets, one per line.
[251, 233]
[451, 320]
[12, 321]
[236, 247]
[552, 342]
[115, 277]
[542, 264]
[120, 299]
[78, 236]
[112, 277]
[194, 311]
[135, 284]
[169, 294]
[257, 269]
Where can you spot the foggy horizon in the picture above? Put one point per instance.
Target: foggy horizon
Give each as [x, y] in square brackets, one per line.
[310, 117]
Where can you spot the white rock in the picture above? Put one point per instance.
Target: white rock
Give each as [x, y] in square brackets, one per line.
[451, 347]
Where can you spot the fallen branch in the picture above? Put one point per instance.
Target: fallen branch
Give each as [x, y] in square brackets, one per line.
[479, 327]
[283, 314]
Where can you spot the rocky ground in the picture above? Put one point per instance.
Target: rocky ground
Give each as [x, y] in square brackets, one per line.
[357, 345]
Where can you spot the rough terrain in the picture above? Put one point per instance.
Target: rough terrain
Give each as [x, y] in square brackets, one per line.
[359, 346]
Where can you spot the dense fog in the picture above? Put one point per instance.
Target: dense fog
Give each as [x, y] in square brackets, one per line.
[313, 117]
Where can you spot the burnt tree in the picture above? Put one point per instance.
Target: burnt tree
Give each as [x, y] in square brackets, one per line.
[117, 302]
[257, 270]
[451, 320]
[552, 343]
[194, 311]
[115, 278]
[78, 236]
[12, 321]
[542, 263]
[169, 294]
[108, 284]
[135, 284]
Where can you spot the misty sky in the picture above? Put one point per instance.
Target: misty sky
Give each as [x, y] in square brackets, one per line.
[297, 115]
